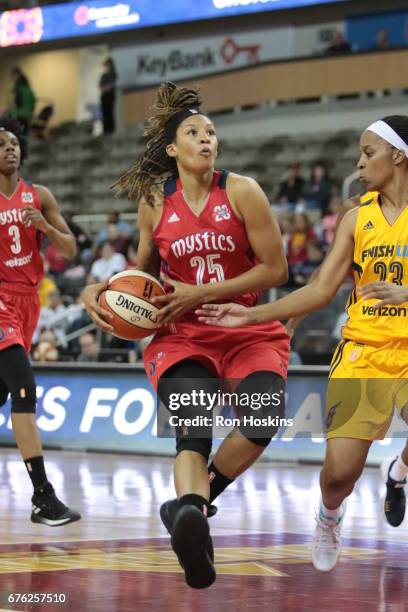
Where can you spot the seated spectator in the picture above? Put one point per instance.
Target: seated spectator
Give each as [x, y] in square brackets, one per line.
[382, 41]
[89, 349]
[82, 239]
[118, 242]
[317, 190]
[124, 228]
[47, 284]
[329, 221]
[46, 349]
[57, 263]
[286, 228]
[109, 263]
[291, 188]
[302, 232]
[51, 317]
[131, 256]
[314, 257]
[338, 44]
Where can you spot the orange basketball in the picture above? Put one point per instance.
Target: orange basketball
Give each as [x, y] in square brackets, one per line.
[128, 297]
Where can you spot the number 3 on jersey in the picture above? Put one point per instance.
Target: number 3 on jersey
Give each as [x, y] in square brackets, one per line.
[14, 232]
[208, 265]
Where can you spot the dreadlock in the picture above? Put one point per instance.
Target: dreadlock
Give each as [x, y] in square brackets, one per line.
[8, 124]
[154, 166]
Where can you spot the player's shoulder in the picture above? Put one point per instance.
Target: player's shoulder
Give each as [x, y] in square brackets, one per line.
[240, 185]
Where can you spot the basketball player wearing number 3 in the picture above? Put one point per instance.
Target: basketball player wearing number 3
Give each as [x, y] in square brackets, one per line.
[27, 213]
[214, 237]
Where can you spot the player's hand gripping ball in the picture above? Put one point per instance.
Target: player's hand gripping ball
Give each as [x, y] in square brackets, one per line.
[128, 298]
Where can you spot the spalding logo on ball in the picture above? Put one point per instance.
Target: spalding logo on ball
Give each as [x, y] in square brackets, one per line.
[128, 297]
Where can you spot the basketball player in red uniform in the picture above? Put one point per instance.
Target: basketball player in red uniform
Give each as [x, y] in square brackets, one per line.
[27, 212]
[214, 237]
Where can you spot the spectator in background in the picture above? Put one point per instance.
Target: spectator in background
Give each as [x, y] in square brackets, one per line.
[89, 349]
[131, 255]
[47, 284]
[291, 188]
[57, 264]
[302, 232]
[382, 41]
[24, 99]
[46, 349]
[330, 219]
[82, 239]
[107, 87]
[51, 317]
[124, 228]
[286, 228]
[338, 44]
[118, 242]
[317, 190]
[314, 257]
[109, 263]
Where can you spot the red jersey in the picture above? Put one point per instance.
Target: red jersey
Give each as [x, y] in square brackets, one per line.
[20, 260]
[206, 248]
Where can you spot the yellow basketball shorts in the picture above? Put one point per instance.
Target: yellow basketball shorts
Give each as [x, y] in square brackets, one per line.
[365, 384]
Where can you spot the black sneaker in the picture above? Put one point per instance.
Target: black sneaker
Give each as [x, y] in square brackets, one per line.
[48, 509]
[169, 509]
[168, 512]
[189, 539]
[394, 501]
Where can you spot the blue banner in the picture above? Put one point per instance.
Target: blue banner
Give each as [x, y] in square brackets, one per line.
[76, 19]
[115, 410]
[362, 30]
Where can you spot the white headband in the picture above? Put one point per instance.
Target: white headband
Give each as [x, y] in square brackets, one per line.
[386, 132]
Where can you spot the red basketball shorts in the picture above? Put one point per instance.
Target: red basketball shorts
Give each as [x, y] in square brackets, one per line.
[229, 353]
[19, 312]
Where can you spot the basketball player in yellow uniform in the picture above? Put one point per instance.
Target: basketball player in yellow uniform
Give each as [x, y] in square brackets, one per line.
[369, 370]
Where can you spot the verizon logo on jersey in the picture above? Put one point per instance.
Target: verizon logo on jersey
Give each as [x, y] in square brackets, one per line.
[203, 241]
[19, 261]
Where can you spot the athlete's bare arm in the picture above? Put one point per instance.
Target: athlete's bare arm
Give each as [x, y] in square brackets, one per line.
[349, 204]
[311, 297]
[148, 258]
[50, 221]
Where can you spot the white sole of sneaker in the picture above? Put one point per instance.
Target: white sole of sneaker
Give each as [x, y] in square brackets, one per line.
[327, 569]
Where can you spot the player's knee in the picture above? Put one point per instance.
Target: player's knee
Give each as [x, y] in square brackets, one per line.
[198, 445]
[265, 406]
[340, 478]
[24, 399]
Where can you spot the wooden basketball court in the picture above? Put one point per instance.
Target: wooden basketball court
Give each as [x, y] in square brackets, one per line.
[118, 558]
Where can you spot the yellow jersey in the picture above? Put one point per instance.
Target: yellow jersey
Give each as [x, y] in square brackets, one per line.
[380, 254]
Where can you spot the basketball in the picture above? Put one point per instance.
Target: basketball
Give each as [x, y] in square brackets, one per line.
[128, 297]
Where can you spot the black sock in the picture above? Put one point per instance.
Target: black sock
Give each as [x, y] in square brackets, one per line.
[36, 471]
[194, 500]
[218, 482]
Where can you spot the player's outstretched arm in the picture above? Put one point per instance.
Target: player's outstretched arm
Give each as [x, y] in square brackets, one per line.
[349, 204]
[311, 297]
[50, 221]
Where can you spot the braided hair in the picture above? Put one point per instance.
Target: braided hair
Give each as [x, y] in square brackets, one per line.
[155, 166]
[8, 124]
